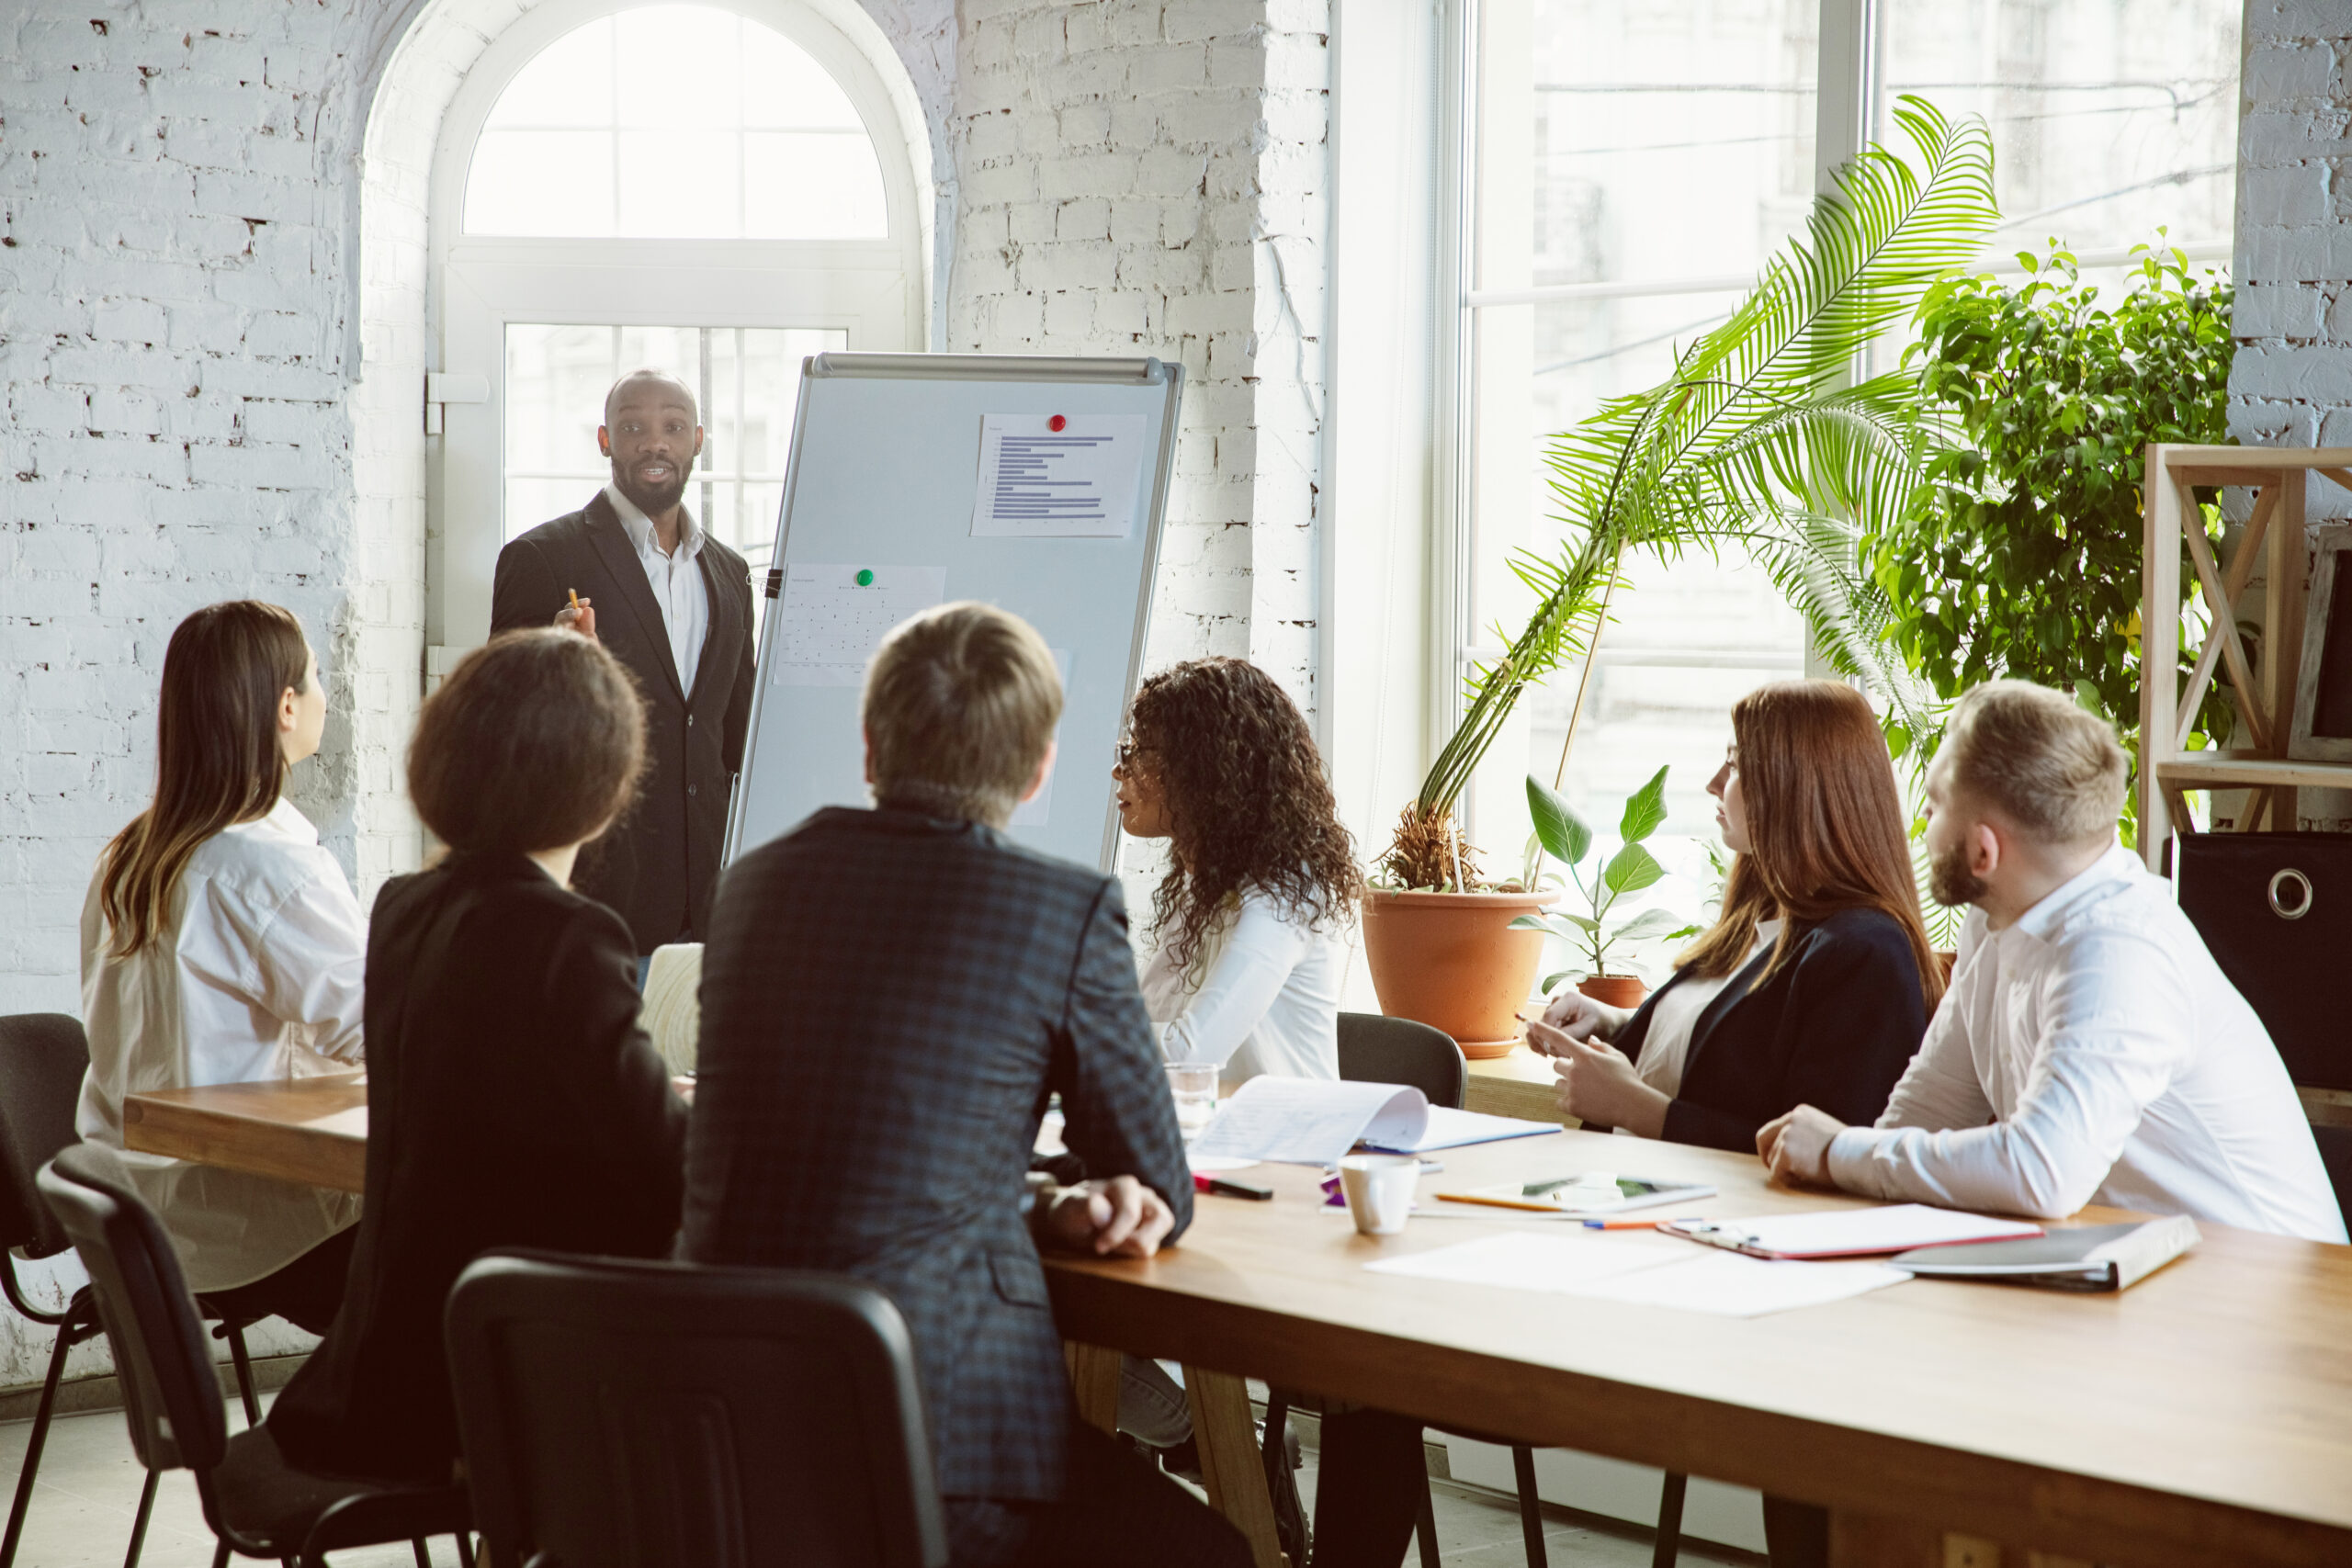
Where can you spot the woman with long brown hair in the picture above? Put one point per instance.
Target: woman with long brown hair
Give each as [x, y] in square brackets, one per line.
[1814, 986]
[220, 943]
[1815, 982]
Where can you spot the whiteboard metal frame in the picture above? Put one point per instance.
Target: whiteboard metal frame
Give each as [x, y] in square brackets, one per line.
[1050, 368]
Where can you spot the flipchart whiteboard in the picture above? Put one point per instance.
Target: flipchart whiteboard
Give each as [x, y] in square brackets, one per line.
[884, 510]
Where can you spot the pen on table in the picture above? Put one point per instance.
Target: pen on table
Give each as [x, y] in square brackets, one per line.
[1227, 1189]
[1637, 1225]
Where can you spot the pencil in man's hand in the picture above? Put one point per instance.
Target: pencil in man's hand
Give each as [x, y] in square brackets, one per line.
[575, 597]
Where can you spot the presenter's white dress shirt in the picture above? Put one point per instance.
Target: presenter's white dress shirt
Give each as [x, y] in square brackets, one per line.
[1261, 997]
[676, 581]
[2093, 1051]
[256, 976]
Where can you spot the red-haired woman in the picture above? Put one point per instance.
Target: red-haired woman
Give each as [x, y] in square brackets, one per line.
[1816, 981]
[222, 944]
[1814, 986]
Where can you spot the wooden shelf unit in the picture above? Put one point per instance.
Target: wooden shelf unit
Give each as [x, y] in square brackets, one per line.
[2264, 695]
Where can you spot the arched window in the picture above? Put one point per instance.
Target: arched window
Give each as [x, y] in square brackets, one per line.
[714, 191]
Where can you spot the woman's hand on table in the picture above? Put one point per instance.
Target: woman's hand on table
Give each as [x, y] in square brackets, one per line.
[1598, 1083]
[1578, 1016]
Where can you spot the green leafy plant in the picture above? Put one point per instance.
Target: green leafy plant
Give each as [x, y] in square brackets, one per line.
[1761, 439]
[2020, 555]
[1563, 835]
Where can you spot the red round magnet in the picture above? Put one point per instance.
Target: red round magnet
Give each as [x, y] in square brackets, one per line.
[1057, 424]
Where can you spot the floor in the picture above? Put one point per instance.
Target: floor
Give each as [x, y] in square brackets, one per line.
[89, 1484]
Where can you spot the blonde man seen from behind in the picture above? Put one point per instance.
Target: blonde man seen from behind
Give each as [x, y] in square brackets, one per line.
[2089, 1049]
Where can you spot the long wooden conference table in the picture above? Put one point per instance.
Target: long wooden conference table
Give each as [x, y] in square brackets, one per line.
[2203, 1417]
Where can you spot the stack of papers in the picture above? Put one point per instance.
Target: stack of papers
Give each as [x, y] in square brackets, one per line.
[1851, 1233]
[1638, 1272]
[1315, 1120]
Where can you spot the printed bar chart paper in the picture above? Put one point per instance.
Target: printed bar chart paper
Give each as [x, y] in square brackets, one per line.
[1048, 476]
[834, 617]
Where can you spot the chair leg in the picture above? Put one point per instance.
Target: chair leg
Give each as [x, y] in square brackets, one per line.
[424, 1553]
[235, 1333]
[33, 1446]
[1530, 1506]
[221, 1556]
[139, 1525]
[1425, 1528]
[1276, 1451]
[1669, 1520]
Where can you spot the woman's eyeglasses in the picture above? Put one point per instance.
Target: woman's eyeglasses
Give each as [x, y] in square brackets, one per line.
[1128, 752]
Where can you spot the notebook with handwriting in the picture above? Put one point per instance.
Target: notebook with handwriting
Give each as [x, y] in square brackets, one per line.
[1848, 1232]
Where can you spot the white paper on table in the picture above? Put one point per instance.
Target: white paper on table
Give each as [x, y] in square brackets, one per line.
[1311, 1120]
[1035, 811]
[1855, 1233]
[1450, 1129]
[1036, 482]
[832, 623]
[1641, 1271]
[1729, 1285]
[1516, 1260]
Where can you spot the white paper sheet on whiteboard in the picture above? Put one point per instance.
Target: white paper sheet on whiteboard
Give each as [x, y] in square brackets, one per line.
[1037, 811]
[1038, 482]
[832, 621]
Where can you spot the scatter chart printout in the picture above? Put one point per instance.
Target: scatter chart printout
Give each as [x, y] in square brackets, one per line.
[1051, 476]
[834, 616]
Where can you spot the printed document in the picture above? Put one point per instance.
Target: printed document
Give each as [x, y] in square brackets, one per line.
[1640, 1270]
[834, 617]
[1315, 1120]
[1044, 479]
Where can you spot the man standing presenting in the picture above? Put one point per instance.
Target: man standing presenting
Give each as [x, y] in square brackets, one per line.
[676, 609]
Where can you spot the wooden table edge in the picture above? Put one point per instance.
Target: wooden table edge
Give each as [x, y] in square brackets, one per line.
[1848, 1469]
[159, 1124]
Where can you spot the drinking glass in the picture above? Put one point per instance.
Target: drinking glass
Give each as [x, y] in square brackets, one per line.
[1194, 1086]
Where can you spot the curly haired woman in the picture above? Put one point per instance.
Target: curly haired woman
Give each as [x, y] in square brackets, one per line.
[1261, 880]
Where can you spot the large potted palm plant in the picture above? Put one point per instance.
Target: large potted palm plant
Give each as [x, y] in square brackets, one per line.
[1762, 439]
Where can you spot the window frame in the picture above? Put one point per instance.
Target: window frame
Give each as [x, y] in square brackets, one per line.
[873, 289]
[1469, 561]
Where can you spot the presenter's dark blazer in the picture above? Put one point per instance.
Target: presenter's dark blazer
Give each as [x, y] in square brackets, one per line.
[660, 865]
[511, 1102]
[1834, 1028]
[888, 999]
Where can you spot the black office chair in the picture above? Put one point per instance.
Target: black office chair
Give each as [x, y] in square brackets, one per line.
[256, 1504]
[43, 1057]
[1376, 1049]
[632, 1415]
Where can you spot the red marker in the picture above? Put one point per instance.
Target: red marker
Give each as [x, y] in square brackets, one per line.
[1057, 424]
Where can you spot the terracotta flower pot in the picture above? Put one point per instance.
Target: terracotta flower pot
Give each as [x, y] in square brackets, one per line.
[1614, 990]
[1451, 960]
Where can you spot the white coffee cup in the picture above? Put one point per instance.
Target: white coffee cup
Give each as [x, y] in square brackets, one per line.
[1379, 1189]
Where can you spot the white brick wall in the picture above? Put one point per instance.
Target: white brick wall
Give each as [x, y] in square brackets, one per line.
[1147, 177]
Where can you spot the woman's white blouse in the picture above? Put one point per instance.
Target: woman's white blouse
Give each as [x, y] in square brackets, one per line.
[256, 976]
[1261, 997]
[1667, 1045]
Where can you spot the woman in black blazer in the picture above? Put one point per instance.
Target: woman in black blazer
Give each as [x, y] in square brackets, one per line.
[1816, 983]
[513, 1100]
[1814, 986]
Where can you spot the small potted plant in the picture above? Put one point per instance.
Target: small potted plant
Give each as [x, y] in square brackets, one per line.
[1596, 938]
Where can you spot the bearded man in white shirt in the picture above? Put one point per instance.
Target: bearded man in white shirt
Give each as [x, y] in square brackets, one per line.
[2089, 1049]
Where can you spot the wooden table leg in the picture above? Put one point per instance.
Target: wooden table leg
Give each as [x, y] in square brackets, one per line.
[1094, 1375]
[1230, 1464]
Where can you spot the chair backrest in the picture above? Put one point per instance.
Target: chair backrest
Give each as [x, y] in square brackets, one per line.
[44, 1058]
[2335, 1151]
[171, 1395]
[1374, 1049]
[628, 1415]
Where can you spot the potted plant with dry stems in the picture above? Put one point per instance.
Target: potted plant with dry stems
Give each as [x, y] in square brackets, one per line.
[1762, 439]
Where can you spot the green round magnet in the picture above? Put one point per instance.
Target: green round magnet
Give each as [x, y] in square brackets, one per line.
[865, 578]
